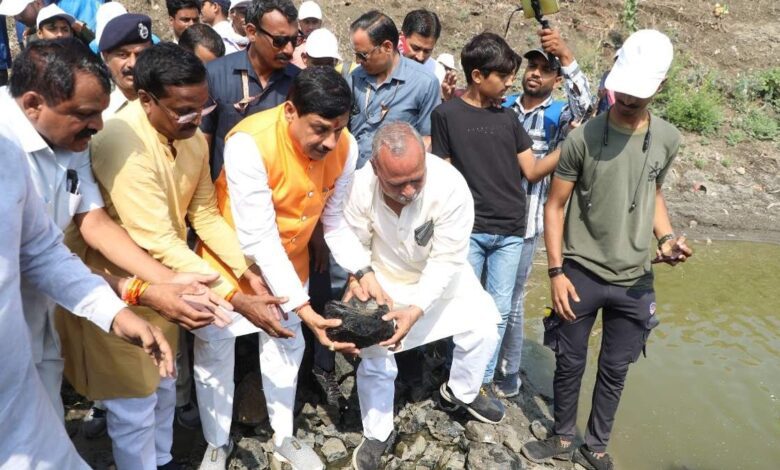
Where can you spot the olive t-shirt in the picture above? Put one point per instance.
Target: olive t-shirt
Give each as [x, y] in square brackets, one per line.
[609, 221]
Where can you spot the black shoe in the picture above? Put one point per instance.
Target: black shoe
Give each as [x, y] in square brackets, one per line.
[329, 387]
[588, 459]
[169, 466]
[188, 416]
[368, 454]
[486, 407]
[539, 451]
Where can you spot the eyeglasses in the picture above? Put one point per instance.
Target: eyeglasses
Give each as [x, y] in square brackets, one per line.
[363, 56]
[189, 117]
[281, 41]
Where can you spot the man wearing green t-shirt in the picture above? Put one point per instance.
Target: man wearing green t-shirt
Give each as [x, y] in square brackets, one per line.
[610, 172]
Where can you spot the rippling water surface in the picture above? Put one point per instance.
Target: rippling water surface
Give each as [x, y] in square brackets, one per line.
[708, 394]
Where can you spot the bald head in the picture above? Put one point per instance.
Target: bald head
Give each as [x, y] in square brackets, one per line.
[398, 159]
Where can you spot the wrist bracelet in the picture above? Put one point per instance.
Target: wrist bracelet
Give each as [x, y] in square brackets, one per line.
[552, 272]
[665, 238]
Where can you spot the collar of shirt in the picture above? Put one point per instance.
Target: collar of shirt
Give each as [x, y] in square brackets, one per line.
[30, 139]
[399, 73]
[523, 111]
[243, 64]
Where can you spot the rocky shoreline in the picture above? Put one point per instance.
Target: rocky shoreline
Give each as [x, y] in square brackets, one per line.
[428, 435]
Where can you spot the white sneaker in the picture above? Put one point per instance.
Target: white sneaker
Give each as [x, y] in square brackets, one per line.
[298, 455]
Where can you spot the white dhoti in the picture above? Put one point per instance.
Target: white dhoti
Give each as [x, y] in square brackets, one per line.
[280, 359]
[141, 429]
[466, 312]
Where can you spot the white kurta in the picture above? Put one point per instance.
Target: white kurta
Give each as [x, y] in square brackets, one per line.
[433, 276]
[31, 246]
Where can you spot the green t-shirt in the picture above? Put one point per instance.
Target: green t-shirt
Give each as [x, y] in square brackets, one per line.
[602, 231]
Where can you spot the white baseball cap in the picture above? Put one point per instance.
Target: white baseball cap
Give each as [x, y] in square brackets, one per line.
[13, 7]
[322, 44]
[641, 64]
[105, 13]
[309, 9]
[235, 3]
[53, 11]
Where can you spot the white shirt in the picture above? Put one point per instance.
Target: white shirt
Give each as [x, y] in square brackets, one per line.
[234, 42]
[64, 181]
[255, 217]
[31, 246]
[387, 240]
[116, 101]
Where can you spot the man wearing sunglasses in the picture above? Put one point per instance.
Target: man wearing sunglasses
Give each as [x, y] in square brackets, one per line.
[150, 163]
[255, 79]
[387, 87]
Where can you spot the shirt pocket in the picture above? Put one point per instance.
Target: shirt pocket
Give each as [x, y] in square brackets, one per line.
[74, 201]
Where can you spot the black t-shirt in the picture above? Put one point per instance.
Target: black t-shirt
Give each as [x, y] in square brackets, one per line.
[483, 144]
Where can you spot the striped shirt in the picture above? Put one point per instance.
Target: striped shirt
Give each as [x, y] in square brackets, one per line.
[579, 97]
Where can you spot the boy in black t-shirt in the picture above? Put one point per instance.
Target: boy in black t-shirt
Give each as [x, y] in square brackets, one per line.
[489, 146]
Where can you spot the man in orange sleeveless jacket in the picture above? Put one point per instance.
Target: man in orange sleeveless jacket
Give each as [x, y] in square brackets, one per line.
[285, 169]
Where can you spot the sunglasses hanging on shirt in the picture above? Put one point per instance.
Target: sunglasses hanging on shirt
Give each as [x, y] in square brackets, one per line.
[605, 141]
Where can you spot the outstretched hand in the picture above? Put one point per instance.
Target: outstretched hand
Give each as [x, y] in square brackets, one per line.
[137, 331]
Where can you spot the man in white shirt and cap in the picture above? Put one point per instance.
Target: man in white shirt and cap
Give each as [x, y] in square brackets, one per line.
[412, 214]
[309, 20]
[215, 14]
[54, 23]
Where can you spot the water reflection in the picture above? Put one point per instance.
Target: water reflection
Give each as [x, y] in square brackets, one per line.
[706, 395]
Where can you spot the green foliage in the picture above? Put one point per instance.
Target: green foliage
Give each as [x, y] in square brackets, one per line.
[629, 15]
[768, 85]
[760, 125]
[725, 162]
[699, 163]
[761, 86]
[735, 137]
[696, 109]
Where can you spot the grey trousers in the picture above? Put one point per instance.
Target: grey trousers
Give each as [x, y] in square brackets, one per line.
[628, 315]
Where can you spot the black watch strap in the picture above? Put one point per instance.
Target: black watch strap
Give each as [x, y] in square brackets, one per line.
[362, 272]
[553, 272]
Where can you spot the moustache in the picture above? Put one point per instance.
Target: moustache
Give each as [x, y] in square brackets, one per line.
[127, 72]
[284, 56]
[631, 106]
[86, 134]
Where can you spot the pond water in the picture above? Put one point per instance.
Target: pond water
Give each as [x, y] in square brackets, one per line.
[707, 396]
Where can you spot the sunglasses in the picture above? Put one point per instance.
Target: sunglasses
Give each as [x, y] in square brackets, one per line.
[281, 41]
[363, 56]
[189, 117]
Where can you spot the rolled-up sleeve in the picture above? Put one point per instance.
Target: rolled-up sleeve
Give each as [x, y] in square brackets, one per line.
[91, 198]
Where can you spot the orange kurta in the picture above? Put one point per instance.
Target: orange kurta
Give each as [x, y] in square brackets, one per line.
[300, 187]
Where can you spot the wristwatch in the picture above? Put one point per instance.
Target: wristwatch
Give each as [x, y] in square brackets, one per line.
[362, 272]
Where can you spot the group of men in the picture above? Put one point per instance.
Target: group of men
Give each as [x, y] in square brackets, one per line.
[226, 191]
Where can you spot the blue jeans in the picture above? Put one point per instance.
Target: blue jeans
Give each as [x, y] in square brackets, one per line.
[499, 255]
[511, 348]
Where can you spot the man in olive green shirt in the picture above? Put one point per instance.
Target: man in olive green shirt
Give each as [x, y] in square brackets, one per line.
[610, 172]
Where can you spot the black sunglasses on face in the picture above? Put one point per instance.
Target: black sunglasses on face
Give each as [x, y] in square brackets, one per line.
[281, 41]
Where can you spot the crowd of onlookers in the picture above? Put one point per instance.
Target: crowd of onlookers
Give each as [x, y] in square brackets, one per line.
[227, 186]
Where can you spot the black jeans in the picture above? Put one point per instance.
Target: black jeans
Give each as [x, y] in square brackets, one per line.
[628, 315]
